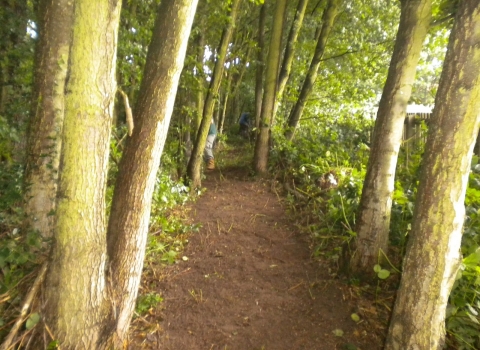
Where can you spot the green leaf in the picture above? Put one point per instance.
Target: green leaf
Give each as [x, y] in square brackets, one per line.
[377, 268]
[355, 317]
[32, 320]
[472, 260]
[338, 332]
[53, 345]
[383, 274]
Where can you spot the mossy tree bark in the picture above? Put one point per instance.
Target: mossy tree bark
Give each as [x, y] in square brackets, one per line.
[328, 19]
[131, 204]
[373, 221]
[271, 74]
[195, 162]
[45, 127]
[433, 254]
[75, 290]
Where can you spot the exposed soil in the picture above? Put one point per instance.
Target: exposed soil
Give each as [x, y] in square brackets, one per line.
[249, 282]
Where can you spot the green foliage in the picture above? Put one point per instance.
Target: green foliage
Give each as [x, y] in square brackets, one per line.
[381, 273]
[53, 345]
[429, 67]
[19, 252]
[326, 165]
[463, 321]
[147, 302]
[8, 136]
[168, 229]
[32, 320]
[135, 31]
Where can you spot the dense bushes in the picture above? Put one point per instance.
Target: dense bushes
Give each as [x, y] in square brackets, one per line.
[323, 171]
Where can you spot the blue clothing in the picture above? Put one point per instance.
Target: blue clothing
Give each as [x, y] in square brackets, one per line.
[245, 119]
[213, 129]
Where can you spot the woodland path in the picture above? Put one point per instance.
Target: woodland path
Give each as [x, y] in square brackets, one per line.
[249, 282]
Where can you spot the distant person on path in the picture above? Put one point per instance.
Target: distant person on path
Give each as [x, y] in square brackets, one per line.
[244, 124]
[208, 150]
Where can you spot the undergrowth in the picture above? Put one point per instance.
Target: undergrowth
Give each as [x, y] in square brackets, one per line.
[21, 249]
[323, 170]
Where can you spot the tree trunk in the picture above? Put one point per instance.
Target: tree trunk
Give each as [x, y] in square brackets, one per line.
[433, 254]
[45, 128]
[131, 204]
[75, 291]
[195, 163]
[260, 66]
[373, 221]
[327, 24]
[271, 74]
[289, 50]
[221, 122]
[200, 81]
[237, 81]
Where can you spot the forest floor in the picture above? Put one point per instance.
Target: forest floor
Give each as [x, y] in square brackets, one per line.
[248, 282]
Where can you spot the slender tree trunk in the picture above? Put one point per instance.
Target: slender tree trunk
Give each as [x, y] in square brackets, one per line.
[45, 128]
[239, 78]
[216, 117]
[75, 291]
[131, 204]
[289, 50]
[200, 81]
[259, 66]
[195, 163]
[271, 74]
[328, 19]
[373, 221]
[433, 255]
[221, 122]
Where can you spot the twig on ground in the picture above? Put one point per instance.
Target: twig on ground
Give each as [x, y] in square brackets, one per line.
[296, 286]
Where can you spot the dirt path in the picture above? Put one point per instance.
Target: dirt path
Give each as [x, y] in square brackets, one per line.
[249, 282]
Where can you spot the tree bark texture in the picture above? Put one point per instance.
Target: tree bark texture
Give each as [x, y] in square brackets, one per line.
[75, 290]
[195, 162]
[271, 75]
[433, 254]
[289, 50]
[131, 204]
[328, 19]
[45, 128]
[260, 64]
[373, 221]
